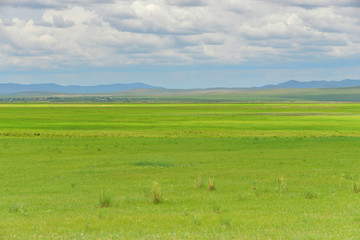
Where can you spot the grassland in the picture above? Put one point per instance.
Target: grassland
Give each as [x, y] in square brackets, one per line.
[351, 94]
[280, 171]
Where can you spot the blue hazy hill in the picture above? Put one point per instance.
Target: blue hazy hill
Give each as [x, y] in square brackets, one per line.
[7, 88]
[10, 88]
[314, 84]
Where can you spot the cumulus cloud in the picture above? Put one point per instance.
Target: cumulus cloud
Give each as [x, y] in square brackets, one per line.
[32, 4]
[173, 32]
[318, 3]
[53, 4]
[60, 22]
[187, 3]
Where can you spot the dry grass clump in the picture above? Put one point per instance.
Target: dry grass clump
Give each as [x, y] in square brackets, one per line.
[211, 184]
[198, 182]
[156, 196]
[282, 185]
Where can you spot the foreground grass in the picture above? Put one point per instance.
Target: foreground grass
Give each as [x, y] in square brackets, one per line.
[281, 171]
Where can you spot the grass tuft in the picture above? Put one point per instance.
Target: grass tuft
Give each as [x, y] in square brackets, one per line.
[216, 208]
[356, 187]
[310, 195]
[156, 196]
[104, 200]
[16, 208]
[196, 220]
[198, 182]
[211, 184]
[225, 223]
[341, 180]
[282, 185]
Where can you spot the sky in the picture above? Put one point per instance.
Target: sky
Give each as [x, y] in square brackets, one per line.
[178, 43]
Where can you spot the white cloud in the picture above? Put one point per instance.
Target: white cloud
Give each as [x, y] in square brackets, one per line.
[318, 3]
[172, 32]
[187, 3]
[53, 4]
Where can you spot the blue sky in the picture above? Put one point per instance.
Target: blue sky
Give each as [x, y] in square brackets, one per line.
[179, 43]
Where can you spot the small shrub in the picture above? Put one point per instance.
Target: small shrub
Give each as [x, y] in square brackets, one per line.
[211, 184]
[104, 200]
[156, 196]
[198, 182]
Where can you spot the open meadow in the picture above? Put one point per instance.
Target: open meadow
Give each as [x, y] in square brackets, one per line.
[180, 171]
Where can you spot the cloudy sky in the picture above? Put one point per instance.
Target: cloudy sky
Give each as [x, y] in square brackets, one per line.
[179, 43]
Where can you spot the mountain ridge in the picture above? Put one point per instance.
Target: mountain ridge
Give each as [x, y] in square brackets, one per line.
[10, 88]
[292, 84]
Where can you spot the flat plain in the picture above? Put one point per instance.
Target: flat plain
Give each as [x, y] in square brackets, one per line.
[86, 171]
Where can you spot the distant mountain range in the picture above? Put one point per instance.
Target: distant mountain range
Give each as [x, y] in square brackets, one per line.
[9, 88]
[313, 84]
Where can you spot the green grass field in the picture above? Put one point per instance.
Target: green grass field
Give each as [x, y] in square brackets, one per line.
[86, 171]
[351, 94]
